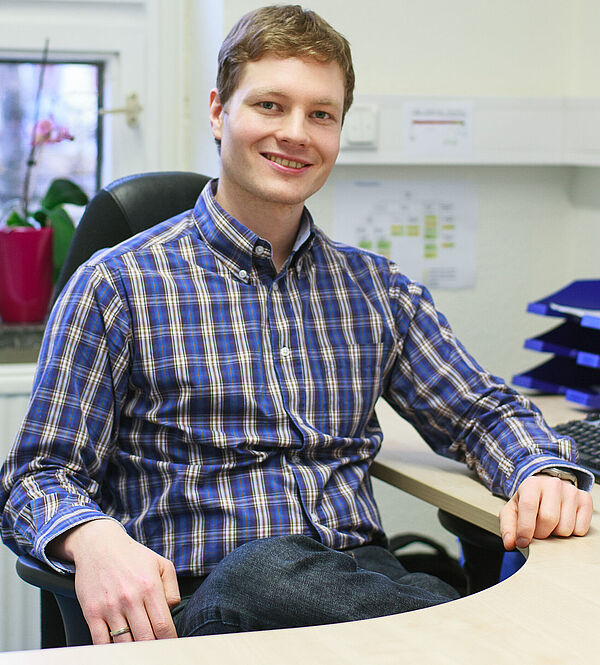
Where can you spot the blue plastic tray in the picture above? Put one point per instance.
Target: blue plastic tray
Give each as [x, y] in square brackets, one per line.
[581, 295]
[564, 376]
[571, 341]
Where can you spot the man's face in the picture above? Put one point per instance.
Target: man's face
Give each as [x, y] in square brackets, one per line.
[279, 132]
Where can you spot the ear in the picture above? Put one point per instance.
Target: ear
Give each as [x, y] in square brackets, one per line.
[215, 113]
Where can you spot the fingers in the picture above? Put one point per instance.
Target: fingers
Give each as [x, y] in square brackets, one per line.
[99, 631]
[544, 506]
[138, 621]
[508, 524]
[159, 605]
[567, 514]
[144, 609]
[136, 615]
[528, 512]
[170, 585]
[585, 510]
[161, 624]
[550, 507]
[518, 518]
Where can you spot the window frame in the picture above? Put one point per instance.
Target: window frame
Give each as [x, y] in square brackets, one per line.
[142, 45]
[101, 65]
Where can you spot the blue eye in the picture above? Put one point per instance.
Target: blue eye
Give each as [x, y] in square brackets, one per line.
[268, 106]
[321, 115]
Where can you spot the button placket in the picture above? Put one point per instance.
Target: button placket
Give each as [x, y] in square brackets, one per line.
[284, 350]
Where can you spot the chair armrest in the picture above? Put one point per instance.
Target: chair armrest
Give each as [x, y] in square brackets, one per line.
[470, 533]
[62, 586]
[37, 573]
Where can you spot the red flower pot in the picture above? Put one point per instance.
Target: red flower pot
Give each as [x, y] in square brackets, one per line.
[25, 274]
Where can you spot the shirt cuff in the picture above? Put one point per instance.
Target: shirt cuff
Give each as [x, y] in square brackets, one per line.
[585, 478]
[60, 524]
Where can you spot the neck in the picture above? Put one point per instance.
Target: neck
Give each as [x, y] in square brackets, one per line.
[277, 223]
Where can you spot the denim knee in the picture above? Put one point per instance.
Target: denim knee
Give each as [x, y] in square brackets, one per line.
[241, 592]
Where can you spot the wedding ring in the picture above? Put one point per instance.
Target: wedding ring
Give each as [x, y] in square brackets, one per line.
[122, 631]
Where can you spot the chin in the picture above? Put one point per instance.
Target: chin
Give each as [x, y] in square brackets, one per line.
[286, 198]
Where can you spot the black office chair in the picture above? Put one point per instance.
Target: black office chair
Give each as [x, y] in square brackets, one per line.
[123, 208]
[126, 207]
[62, 622]
[483, 552]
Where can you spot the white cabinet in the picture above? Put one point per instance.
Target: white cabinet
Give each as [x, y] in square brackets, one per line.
[503, 131]
[19, 602]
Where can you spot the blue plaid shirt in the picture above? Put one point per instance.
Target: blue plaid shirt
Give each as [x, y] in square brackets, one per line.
[187, 390]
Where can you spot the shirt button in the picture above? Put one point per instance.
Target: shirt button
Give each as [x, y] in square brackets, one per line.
[295, 458]
[243, 274]
[286, 352]
[259, 250]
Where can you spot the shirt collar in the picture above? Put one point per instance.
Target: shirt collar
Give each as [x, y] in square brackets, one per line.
[237, 245]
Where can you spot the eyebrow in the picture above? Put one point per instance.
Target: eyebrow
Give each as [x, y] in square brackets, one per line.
[268, 92]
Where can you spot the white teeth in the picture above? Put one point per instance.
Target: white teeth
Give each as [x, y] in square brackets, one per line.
[285, 162]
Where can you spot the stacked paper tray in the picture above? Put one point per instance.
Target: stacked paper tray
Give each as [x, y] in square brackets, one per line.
[579, 300]
[563, 376]
[569, 340]
[575, 369]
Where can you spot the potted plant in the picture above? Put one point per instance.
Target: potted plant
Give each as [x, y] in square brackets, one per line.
[34, 243]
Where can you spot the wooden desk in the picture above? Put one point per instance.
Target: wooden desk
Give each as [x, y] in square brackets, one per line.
[548, 612]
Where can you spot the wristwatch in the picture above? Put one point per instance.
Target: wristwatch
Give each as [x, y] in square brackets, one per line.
[555, 472]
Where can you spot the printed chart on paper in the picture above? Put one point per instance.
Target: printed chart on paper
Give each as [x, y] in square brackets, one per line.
[427, 227]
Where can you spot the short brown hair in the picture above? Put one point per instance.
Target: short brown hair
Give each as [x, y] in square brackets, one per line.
[287, 31]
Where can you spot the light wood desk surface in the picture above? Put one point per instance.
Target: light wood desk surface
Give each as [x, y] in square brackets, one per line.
[548, 612]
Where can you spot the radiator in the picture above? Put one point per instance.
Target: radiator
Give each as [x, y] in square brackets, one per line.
[19, 602]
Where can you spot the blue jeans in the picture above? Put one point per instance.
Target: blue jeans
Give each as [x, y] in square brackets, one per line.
[291, 581]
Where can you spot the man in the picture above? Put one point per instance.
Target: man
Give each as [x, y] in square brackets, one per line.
[202, 422]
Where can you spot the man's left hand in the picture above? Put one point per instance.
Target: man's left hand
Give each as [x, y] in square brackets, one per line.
[544, 506]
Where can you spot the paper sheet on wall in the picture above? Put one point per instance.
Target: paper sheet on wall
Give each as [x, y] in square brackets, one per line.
[438, 128]
[427, 227]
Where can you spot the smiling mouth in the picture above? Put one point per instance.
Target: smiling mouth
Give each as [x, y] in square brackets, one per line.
[289, 163]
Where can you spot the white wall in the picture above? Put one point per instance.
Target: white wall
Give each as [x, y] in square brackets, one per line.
[463, 47]
[585, 49]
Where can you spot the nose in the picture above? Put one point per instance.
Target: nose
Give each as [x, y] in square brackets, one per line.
[293, 128]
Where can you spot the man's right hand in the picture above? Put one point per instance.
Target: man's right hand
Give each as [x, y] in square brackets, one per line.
[119, 582]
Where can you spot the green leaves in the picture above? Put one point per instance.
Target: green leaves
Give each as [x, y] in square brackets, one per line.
[63, 191]
[62, 234]
[14, 219]
[51, 213]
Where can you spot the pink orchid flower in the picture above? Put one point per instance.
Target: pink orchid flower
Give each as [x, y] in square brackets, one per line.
[47, 131]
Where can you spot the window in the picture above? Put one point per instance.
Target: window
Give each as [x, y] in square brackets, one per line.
[71, 96]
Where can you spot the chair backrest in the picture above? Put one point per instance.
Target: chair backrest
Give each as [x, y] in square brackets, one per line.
[126, 207]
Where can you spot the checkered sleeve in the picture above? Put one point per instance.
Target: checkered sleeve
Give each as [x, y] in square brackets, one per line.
[462, 411]
[51, 479]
